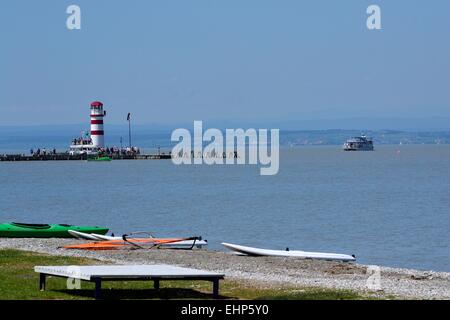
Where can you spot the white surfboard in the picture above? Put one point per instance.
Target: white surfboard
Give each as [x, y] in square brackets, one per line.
[82, 235]
[105, 238]
[185, 244]
[291, 253]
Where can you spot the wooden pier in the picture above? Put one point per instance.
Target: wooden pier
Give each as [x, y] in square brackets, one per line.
[79, 157]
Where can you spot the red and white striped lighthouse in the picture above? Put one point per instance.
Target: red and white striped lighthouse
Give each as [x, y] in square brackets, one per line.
[97, 133]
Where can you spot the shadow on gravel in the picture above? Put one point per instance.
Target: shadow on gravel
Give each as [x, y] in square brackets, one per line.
[140, 294]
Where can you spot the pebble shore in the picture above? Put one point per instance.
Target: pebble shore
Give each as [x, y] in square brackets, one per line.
[266, 272]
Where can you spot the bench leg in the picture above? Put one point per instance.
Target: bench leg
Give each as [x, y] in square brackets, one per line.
[215, 288]
[42, 277]
[98, 289]
[156, 284]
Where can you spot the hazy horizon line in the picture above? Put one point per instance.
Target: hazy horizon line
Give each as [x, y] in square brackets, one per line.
[356, 123]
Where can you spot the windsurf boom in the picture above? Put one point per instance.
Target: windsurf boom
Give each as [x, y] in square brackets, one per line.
[115, 243]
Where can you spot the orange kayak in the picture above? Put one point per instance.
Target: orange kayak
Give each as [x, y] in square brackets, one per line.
[122, 244]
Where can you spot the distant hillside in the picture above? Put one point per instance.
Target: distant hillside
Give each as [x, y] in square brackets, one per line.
[335, 137]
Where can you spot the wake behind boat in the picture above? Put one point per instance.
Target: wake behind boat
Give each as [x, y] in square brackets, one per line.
[251, 251]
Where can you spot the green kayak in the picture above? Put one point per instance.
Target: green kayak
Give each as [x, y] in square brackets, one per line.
[99, 159]
[24, 230]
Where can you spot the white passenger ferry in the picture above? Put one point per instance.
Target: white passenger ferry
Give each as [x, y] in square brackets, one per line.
[361, 143]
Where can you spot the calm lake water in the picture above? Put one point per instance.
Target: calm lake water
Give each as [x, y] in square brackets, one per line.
[389, 207]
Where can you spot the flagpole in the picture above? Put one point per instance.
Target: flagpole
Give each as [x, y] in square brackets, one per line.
[129, 130]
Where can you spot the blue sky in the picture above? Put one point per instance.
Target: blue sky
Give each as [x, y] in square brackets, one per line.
[223, 60]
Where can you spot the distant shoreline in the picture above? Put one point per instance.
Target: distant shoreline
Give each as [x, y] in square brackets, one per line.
[22, 140]
[167, 149]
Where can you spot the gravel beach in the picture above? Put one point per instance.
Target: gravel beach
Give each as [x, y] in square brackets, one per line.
[266, 272]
